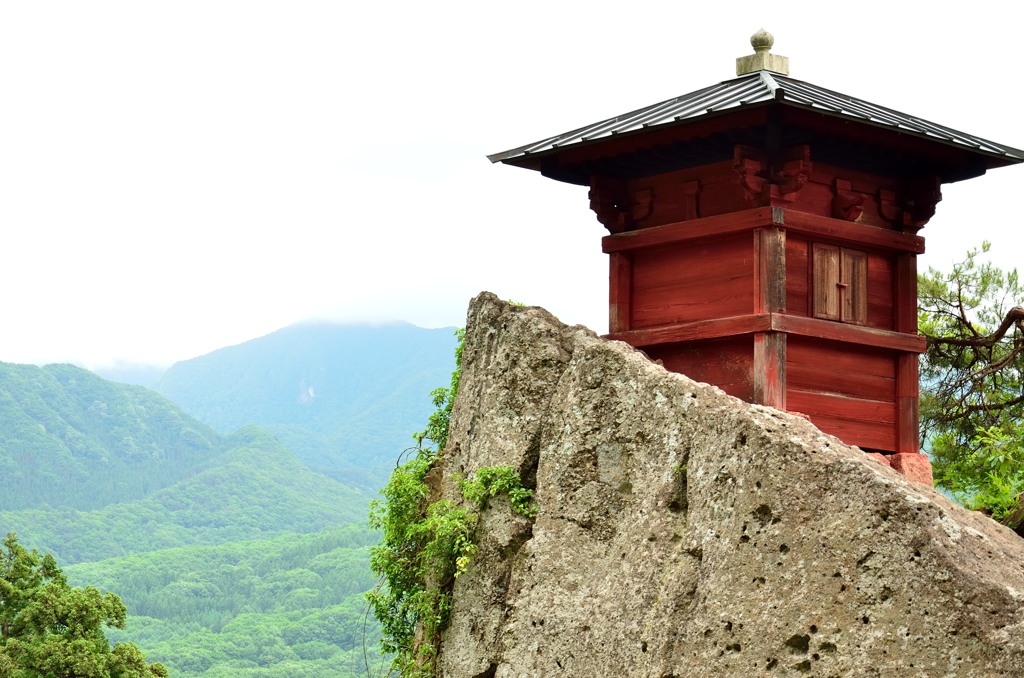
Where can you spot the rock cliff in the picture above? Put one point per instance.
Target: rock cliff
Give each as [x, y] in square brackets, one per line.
[682, 532]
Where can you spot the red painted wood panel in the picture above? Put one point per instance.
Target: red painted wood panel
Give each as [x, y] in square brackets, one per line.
[881, 291]
[873, 412]
[726, 363]
[841, 358]
[848, 391]
[677, 194]
[711, 278]
[797, 276]
[866, 423]
[881, 437]
[813, 377]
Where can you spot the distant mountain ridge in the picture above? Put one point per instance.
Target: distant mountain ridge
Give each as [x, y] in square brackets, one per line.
[71, 439]
[345, 398]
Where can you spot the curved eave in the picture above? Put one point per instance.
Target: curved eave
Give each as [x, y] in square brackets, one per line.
[761, 90]
[529, 159]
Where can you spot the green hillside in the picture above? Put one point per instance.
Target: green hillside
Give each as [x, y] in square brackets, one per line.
[71, 439]
[344, 398]
[291, 606]
[255, 490]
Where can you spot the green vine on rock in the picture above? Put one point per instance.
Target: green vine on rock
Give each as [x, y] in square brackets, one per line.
[426, 545]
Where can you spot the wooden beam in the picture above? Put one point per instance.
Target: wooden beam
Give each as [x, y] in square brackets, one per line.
[771, 322]
[692, 229]
[854, 334]
[850, 233]
[695, 331]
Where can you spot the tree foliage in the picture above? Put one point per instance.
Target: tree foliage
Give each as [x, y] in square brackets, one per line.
[972, 382]
[50, 629]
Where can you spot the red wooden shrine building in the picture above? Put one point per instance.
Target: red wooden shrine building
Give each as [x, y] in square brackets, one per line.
[763, 238]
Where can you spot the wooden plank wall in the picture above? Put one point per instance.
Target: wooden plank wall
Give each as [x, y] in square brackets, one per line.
[726, 363]
[845, 389]
[698, 280]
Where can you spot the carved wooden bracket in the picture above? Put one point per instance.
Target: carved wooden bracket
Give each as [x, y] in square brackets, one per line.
[609, 199]
[792, 173]
[890, 209]
[642, 204]
[751, 171]
[921, 199]
[846, 203]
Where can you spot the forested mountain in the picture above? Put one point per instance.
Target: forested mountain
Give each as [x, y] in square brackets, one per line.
[345, 398]
[70, 439]
[256, 489]
[233, 557]
[240, 547]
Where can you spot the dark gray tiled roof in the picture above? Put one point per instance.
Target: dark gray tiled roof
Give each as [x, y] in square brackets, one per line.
[763, 87]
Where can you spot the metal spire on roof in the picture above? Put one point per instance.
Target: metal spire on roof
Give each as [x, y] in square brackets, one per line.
[762, 59]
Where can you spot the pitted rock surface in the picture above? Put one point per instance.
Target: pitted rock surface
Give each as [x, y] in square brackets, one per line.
[683, 532]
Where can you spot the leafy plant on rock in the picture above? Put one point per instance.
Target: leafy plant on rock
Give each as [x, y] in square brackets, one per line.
[427, 544]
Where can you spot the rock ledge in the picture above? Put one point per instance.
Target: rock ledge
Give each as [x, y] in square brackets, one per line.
[682, 532]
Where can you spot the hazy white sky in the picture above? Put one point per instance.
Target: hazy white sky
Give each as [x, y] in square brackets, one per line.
[180, 176]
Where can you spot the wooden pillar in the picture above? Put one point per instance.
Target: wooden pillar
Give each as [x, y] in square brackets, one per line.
[907, 404]
[620, 278]
[770, 297]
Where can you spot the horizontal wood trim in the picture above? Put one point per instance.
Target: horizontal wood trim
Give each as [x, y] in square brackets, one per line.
[814, 225]
[733, 222]
[763, 322]
[849, 232]
[695, 331]
[854, 334]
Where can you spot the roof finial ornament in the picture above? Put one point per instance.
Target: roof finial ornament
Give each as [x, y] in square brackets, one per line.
[762, 59]
[762, 41]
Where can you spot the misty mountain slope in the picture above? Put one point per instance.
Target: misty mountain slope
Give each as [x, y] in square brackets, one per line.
[255, 490]
[345, 398]
[71, 439]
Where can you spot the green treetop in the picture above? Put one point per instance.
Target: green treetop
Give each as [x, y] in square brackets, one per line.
[49, 629]
[972, 383]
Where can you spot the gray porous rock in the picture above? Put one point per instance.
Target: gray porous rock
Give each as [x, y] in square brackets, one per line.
[683, 532]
